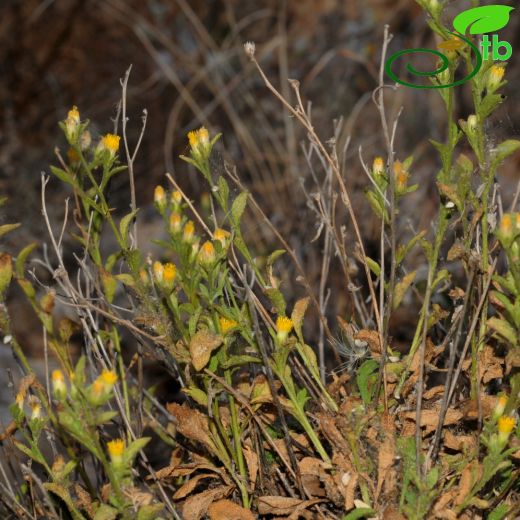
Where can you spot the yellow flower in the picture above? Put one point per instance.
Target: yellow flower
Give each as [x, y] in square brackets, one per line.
[73, 156]
[110, 142]
[284, 326]
[379, 166]
[206, 254]
[73, 114]
[98, 389]
[189, 229]
[143, 275]
[222, 236]
[176, 197]
[506, 225]
[58, 384]
[116, 449]
[517, 220]
[159, 197]
[20, 398]
[72, 123]
[505, 427]
[109, 378]
[198, 138]
[36, 408]
[401, 177]
[226, 324]
[158, 271]
[169, 273]
[175, 222]
[500, 407]
[495, 75]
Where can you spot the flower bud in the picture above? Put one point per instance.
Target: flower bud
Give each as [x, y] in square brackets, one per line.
[159, 197]
[169, 273]
[206, 255]
[175, 222]
[158, 272]
[6, 271]
[472, 123]
[378, 167]
[72, 123]
[189, 230]
[109, 143]
[222, 236]
[506, 425]
[494, 77]
[499, 407]
[59, 387]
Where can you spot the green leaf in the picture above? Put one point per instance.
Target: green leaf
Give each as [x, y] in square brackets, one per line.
[31, 453]
[365, 379]
[63, 176]
[223, 188]
[481, 20]
[373, 265]
[504, 329]
[134, 448]
[238, 207]
[488, 105]
[149, 512]
[198, 395]
[235, 361]
[273, 256]
[499, 512]
[125, 223]
[7, 228]
[22, 257]
[277, 300]
[362, 512]
[505, 149]
[105, 417]
[105, 512]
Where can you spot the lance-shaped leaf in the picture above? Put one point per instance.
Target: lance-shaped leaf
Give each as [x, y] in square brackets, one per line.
[481, 20]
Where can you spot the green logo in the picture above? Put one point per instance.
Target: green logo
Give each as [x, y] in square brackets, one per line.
[479, 20]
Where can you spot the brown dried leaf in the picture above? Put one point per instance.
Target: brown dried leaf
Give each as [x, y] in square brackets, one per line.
[470, 474]
[440, 508]
[274, 505]
[491, 364]
[430, 418]
[459, 442]
[227, 510]
[392, 513]
[252, 464]
[196, 506]
[192, 424]
[201, 346]
[469, 407]
[386, 459]
[83, 500]
[190, 485]
[433, 392]
[299, 312]
[372, 338]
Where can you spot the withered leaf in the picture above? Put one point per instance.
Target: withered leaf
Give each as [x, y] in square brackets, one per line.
[190, 485]
[251, 463]
[299, 311]
[201, 346]
[196, 506]
[192, 424]
[227, 510]
[275, 505]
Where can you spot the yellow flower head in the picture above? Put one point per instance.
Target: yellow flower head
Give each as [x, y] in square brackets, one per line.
[207, 253]
[189, 229]
[108, 377]
[73, 114]
[379, 166]
[401, 176]
[143, 275]
[222, 236]
[506, 424]
[169, 274]
[176, 197]
[110, 142]
[158, 271]
[35, 406]
[175, 222]
[517, 220]
[226, 324]
[284, 325]
[495, 75]
[98, 388]
[500, 406]
[159, 196]
[198, 137]
[20, 398]
[453, 44]
[506, 224]
[58, 384]
[116, 449]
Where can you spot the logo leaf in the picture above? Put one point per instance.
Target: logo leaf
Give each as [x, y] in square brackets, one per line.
[481, 20]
